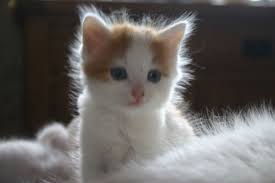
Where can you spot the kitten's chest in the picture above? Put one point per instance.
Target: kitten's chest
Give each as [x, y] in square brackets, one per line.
[121, 136]
[102, 127]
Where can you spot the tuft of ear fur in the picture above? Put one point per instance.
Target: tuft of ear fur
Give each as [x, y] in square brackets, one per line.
[173, 34]
[55, 136]
[95, 35]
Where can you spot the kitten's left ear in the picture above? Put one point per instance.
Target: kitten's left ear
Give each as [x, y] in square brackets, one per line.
[95, 34]
[173, 34]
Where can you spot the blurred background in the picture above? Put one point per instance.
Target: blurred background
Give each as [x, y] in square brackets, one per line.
[232, 50]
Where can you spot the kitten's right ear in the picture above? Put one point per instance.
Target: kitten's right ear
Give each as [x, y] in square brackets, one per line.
[173, 35]
[95, 34]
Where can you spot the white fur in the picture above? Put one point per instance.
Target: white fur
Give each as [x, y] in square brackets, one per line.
[112, 132]
[242, 153]
[43, 160]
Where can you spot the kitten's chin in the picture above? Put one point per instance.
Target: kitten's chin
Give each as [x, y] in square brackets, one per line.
[135, 104]
[142, 106]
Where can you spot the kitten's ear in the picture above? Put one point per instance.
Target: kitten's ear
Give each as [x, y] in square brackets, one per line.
[173, 34]
[95, 34]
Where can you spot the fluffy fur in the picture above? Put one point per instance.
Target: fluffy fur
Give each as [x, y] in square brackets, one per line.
[113, 131]
[44, 160]
[149, 142]
[244, 151]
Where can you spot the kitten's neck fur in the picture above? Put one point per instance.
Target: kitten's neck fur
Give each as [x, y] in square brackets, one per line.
[133, 121]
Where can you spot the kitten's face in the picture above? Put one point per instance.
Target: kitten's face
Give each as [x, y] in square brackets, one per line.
[129, 67]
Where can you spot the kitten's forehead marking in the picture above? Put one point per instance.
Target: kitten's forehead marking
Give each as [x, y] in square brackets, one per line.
[136, 46]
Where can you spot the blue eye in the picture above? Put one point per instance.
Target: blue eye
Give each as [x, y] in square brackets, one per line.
[118, 73]
[154, 76]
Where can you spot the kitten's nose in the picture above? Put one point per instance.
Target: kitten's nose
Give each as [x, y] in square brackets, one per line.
[137, 92]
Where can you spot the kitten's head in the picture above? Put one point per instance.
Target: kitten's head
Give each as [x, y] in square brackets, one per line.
[132, 66]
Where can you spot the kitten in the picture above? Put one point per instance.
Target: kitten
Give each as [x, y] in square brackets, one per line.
[243, 153]
[129, 73]
[45, 159]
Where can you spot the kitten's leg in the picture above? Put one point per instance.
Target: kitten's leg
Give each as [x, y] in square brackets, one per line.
[93, 165]
[115, 158]
[98, 165]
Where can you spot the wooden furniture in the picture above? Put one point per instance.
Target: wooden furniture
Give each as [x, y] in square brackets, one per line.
[232, 50]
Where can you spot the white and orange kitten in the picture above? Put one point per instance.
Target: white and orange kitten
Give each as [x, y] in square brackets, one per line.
[129, 73]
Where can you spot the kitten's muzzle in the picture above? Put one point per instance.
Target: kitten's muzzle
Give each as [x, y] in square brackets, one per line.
[137, 94]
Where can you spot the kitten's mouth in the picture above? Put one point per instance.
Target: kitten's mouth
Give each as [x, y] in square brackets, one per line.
[135, 102]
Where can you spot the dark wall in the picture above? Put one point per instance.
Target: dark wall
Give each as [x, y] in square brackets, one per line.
[232, 52]
[11, 74]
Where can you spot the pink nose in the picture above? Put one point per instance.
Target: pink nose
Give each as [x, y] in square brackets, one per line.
[137, 93]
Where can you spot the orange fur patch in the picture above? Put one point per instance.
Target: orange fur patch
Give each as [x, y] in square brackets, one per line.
[162, 55]
[165, 46]
[115, 47]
